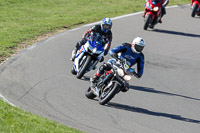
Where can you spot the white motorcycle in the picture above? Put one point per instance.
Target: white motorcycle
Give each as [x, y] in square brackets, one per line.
[88, 55]
[111, 82]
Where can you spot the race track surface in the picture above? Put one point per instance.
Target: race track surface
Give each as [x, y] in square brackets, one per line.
[165, 100]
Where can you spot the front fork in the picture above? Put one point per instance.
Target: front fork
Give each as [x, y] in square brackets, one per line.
[103, 84]
[124, 85]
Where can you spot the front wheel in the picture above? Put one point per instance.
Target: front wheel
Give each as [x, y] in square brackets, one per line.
[195, 7]
[108, 94]
[73, 71]
[148, 21]
[84, 67]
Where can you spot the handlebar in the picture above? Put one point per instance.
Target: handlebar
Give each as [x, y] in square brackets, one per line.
[123, 61]
[115, 56]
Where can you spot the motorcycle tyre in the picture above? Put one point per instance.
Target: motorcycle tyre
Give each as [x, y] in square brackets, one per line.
[151, 26]
[73, 71]
[89, 94]
[85, 67]
[110, 95]
[147, 22]
[194, 10]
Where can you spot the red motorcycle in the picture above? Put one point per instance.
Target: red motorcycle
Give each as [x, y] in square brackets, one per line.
[152, 14]
[195, 8]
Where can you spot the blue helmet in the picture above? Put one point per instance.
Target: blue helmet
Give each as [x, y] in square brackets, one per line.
[106, 24]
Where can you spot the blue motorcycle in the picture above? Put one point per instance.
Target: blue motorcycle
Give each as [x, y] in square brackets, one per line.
[88, 55]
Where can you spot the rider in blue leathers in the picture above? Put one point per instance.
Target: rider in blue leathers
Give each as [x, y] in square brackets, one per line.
[104, 29]
[132, 53]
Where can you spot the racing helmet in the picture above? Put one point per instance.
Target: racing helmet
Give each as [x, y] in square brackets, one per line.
[156, 1]
[138, 45]
[106, 24]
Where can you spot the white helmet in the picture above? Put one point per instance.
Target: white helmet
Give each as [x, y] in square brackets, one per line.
[138, 45]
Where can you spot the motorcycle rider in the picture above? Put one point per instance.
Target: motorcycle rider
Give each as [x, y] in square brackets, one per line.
[193, 1]
[132, 53]
[103, 29]
[163, 3]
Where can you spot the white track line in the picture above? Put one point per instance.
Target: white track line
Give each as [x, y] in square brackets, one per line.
[78, 28]
[119, 17]
[5, 100]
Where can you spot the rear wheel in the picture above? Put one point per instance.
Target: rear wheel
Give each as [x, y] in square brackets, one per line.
[89, 94]
[84, 67]
[108, 94]
[147, 21]
[195, 7]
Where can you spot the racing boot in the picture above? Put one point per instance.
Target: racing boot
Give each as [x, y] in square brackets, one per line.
[78, 45]
[163, 13]
[95, 67]
[160, 21]
[143, 15]
[101, 59]
[94, 80]
[73, 54]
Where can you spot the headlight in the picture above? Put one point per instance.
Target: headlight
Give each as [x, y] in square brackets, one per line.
[155, 9]
[148, 5]
[89, 47]
[120, 72]
[127, 77]
[94, 50]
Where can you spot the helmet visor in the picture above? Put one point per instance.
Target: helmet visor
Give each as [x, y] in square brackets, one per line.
[107, 26]
[156, 1]
[138, 48]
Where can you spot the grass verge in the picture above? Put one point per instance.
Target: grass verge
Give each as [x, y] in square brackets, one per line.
[15, 120]
[22, 21]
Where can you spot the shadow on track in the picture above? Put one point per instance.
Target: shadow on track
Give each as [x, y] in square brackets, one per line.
[86, 78]
[148, 112]
[146, 89]
[176, 33]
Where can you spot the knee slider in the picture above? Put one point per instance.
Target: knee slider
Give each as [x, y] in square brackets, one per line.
[83, 41]
[78, 45]
[102, 67]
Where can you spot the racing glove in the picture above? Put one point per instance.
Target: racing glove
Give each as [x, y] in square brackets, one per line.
[114, 55]
[101, 59]
[137, 75]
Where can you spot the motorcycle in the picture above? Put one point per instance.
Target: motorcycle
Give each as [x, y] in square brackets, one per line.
[88, 55]
[152, 14]
[111, 82]
[195, 8]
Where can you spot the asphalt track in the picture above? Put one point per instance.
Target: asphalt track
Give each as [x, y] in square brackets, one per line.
[165, 100]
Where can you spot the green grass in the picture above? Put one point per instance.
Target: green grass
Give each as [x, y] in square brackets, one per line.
[25, 20]
[15, 120]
